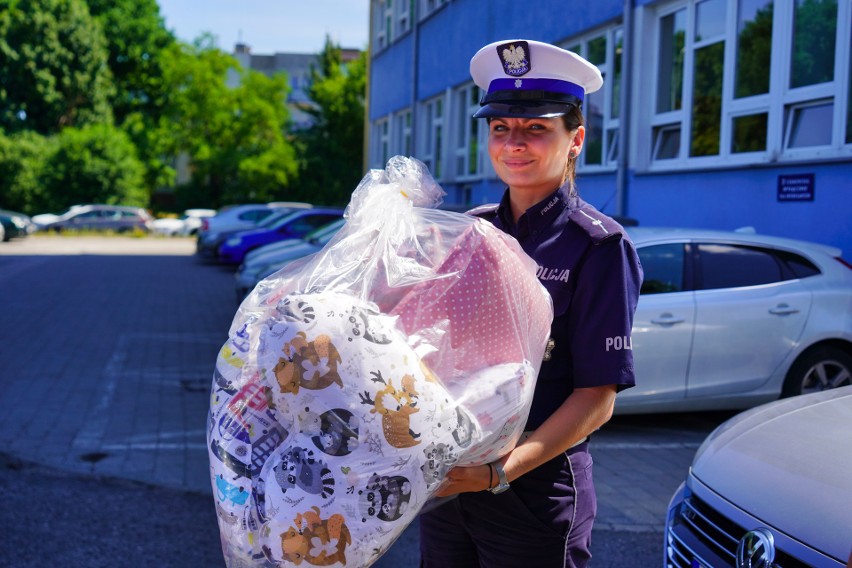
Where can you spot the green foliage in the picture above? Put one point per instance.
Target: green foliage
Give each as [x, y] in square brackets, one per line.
[332, 149]
[135, 39]
[814, 42]
[235, 136]
[53, 66]
[71, 69]
[754, 53]
[707, 100]
[23, 158]
[94, 164]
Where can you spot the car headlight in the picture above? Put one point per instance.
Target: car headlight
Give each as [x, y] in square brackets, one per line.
[233, 241]
[18, 222]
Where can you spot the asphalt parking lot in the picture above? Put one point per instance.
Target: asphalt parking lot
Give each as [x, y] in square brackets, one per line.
[109, 345]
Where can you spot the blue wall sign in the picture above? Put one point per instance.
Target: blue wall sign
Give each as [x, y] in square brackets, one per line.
[797, 187]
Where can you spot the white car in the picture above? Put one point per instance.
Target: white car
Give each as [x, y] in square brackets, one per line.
[183, 226]
[769, 488]
[730, 320]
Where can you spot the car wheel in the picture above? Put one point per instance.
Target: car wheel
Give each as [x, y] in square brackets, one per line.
[820, 369]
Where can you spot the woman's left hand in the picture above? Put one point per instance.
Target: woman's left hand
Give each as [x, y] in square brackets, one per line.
[466, 479]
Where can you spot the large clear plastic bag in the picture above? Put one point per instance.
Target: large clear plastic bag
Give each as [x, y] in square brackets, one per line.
[354, 379]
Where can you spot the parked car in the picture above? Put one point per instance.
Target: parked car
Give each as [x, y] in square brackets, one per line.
[14, 225]
[268, 259]
[769, 487]
[207, 244]
[43, 219]
[247, 216]
[729, 320]
[185, 225]
[295, 225]
[102, 218]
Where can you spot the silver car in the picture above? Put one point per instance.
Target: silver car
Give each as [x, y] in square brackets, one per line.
[769, 488]
[730, 320]
[116, 218]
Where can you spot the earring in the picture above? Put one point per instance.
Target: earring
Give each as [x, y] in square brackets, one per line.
[571, 154]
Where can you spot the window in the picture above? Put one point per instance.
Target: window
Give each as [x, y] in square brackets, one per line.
[733, 266]
[382, 129]
[663, 266]
[708, 63]
[749, 81]
[809, 124]
[670, 74]
[666, 141]
[754, 48]
[814, 34]
[406, 9]
[433, 114]
[601, 109]
[383, 23]
[749, 133]
[402, 133]
[430, 6]
[467, 132]
[730, 266]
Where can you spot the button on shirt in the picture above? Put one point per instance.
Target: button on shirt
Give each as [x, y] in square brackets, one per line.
[592, 271]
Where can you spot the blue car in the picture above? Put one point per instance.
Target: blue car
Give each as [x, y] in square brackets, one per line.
[293, 226]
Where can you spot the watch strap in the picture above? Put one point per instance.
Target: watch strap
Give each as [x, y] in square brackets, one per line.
[501, 477]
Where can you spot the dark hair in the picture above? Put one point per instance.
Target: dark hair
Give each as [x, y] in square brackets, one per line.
[572, 120]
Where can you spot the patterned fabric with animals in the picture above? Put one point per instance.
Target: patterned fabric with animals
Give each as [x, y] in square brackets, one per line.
[353, 380]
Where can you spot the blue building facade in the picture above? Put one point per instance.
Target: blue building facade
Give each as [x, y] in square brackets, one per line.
[714, 113]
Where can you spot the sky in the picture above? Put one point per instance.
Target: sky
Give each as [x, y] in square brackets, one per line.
[270, 26]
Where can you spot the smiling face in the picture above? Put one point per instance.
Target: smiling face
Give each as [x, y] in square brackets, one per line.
[530, 154]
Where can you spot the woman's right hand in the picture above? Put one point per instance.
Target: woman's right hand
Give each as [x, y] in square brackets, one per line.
[466, 480]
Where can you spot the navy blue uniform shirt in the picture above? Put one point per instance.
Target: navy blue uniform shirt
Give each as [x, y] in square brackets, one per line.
[590, 267]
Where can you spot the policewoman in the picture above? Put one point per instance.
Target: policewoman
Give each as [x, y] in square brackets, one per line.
[535, 506]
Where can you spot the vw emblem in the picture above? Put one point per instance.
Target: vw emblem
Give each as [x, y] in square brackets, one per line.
[756, 550]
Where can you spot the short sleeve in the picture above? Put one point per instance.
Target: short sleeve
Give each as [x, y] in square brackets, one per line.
[600, 319]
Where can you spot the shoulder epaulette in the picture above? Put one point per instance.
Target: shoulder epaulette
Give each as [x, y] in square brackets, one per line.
[598, 226]
[487, 211]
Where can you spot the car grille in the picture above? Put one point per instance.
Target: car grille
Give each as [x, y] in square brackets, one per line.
[698, 535]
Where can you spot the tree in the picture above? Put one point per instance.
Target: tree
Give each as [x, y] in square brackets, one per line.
[23, 158]
[332, 149]
[53, 71]
[135, 37]
[94, 164]
[235, 136]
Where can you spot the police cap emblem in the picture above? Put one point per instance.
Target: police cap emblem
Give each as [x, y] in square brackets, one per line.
[515, 57]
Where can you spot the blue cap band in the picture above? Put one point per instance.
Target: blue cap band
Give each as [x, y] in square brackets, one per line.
[542, 89]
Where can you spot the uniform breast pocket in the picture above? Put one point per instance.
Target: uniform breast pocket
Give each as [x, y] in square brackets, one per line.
[561, 301]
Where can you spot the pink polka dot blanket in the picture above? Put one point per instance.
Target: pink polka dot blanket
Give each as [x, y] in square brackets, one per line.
[354, 379]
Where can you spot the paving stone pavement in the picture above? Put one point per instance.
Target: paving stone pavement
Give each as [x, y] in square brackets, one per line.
[108, 347]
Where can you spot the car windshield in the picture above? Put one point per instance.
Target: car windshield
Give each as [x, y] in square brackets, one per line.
[274, 218]
[324, 234]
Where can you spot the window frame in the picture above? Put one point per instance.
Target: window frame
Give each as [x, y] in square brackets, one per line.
[461, 135]
[431, 148]
[775, 103]
[610, 126]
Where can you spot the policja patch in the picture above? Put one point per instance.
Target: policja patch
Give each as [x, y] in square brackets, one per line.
[515, 58]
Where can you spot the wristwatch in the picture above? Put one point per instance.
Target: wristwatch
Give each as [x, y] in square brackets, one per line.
[501, 476]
